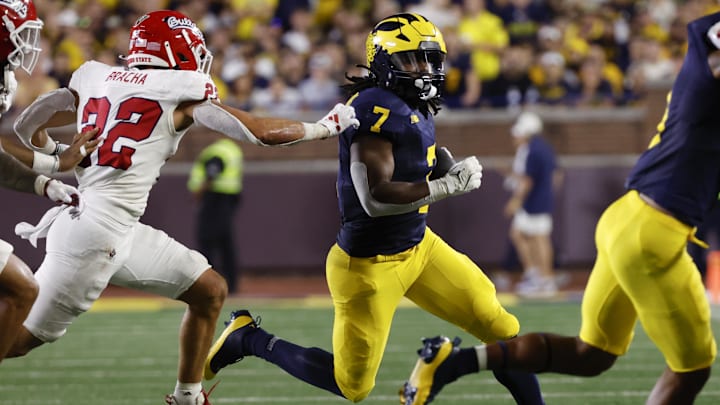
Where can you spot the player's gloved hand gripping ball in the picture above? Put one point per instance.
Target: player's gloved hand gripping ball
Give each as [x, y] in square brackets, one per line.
[462, 177]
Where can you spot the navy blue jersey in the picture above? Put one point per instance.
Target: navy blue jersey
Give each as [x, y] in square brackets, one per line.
[382, 113]
[681, 168]
[539, 166]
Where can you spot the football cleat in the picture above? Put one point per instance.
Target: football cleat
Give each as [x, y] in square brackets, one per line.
[425, 381]
[224, 352]
[170, 399]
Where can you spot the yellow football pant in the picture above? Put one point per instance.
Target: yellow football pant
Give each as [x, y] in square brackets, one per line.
[643, 271]
[367, 291]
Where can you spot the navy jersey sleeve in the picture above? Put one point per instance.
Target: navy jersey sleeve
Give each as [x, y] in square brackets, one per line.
[380, 113]
[698, 42]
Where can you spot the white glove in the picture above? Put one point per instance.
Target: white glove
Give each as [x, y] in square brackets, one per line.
[60, 192]
[339, 119]
[463, 177]
[7, 94]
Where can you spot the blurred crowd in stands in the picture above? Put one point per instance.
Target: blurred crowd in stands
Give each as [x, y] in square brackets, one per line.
[286, 56]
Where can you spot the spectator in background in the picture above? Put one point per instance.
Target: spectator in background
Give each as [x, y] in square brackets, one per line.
[241, 90]
[595, 90]
[556, 85]
[609, 70]
[462, 86]
[355, 45]
[284, 10]
[444, 13]
[645, 26]
[319, 91]
[293, 68]
[522, 18]
[616, 19]
[302, 34]
[574, 52]
[676, 44]
[246, 16]
[634, 87]
[513, 87]
[485, 36]
[530, 206]
[655, 62]
[663, 12]
[549, 39]
[216, 181]
[278, 98]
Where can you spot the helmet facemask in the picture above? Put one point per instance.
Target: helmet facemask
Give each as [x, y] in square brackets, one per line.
[422, 71]
[203, 56]
[26, 40]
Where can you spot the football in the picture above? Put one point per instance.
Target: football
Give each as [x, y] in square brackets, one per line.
[445, 161]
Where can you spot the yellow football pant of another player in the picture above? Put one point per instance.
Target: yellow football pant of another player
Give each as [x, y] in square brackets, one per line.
[643, 271]
[366, 292]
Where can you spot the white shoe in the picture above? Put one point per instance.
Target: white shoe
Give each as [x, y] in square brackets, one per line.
[501, 281]
[537, 287]
[562, 279]
[200, 399]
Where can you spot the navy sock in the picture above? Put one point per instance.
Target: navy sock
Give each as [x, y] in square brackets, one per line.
[465, 362]
[523, 386]
[312, 365]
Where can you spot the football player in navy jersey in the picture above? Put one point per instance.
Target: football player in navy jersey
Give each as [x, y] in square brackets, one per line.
[643, 270]
[384, 250]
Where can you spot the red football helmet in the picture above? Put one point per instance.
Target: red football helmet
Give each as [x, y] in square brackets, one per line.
[168, 39]
[20, 38]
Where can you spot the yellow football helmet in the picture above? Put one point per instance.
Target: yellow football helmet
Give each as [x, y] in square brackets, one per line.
[406, 54]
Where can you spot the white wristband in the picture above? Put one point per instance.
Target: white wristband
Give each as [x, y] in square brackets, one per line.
[43, 163]
[40, 183]
[50, 147]
[314, 131]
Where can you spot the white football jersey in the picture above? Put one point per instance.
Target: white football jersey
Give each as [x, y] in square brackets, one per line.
[134, 111]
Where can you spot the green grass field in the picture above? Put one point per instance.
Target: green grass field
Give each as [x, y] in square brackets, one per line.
[128, 356]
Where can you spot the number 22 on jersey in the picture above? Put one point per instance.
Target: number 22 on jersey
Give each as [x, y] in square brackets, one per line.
[135, 120]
